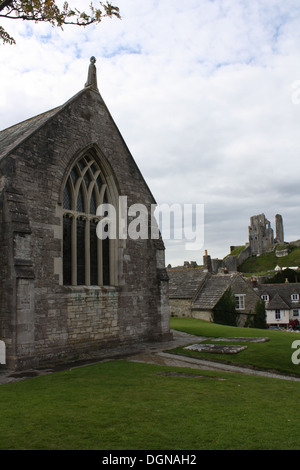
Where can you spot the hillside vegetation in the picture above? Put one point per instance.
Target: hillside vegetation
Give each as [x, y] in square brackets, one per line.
[268, 261]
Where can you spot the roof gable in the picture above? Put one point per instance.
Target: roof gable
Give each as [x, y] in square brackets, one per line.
[277, 303]
[86, 107]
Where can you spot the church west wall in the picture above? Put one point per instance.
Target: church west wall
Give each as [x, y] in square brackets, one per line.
[45, 321]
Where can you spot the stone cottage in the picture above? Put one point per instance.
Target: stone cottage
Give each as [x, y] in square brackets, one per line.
[213, 290]
[64, 290]
[184, 284]
[195, 292]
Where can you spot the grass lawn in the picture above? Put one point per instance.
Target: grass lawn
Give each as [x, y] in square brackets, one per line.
[119, 405]
[275, 354]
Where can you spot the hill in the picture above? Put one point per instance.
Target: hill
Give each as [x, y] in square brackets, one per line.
[267, 262]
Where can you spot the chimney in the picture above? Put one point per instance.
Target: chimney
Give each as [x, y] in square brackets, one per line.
[207, 262]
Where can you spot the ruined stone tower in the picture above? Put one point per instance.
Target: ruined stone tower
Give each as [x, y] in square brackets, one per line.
[279, 229]
[261, 235]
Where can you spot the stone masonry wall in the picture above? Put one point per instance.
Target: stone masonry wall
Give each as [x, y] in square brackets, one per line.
[180, 307]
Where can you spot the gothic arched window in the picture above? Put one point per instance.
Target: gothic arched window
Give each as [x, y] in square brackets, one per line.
[86, 258]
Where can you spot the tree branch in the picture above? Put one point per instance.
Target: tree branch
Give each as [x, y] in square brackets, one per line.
[48, 11]
[5, 4]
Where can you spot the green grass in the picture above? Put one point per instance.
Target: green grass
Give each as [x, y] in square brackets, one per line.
[236, 251]
[118, 405]
[272, 355]
[268, 261]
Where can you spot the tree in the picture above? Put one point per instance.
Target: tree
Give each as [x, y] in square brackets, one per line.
[224, 311]
[281, 276]
[259, 319]
[48, 11]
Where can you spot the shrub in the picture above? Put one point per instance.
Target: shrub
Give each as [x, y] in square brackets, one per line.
[259, 318]
[224, 311]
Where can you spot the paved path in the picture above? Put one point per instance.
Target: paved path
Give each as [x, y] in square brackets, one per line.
[157, 356]
[151, 353]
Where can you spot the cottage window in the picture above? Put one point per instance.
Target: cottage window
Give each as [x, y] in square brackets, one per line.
[265, 298]
[295, 297]
[296, 312]
[240, 301]
[86, 258]
[277, 314]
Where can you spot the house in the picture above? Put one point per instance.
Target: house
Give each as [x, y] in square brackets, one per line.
[65, 291]
[183, 286]
[282, 302]
[195, 293]
[213, 290]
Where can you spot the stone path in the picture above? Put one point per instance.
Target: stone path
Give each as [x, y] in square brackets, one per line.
[181, 339]
[152, 353]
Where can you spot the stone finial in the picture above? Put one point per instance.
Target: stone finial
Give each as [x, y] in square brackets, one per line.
[92, 74]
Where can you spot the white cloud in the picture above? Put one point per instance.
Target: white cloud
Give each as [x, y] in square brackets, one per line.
[201, 92]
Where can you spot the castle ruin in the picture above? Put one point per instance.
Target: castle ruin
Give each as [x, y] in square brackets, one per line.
[261, 235]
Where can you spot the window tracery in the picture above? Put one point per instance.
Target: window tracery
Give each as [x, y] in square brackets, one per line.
[86, 258]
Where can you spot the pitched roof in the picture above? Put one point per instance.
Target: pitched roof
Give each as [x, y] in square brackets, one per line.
[11, 137]
[282, 291]
[15, 135]
[213, 289]
[184, 283]
[277, 302]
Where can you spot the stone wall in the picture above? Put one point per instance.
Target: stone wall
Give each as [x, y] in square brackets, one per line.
[180, 307]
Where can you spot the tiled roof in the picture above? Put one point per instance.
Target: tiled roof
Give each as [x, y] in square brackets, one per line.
[280, 291]
[213, 289]
[11, 137]
[15, 135]
[277, 302]
[184, 283]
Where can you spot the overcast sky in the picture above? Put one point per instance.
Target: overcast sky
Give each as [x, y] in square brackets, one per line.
[206, 94]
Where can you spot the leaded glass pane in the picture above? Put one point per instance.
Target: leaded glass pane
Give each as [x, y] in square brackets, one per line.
[80, 200]
[80, 252]
[87, 179]
[67, 251]
[99, 183]
[93, 254]
[105, 260]
[93, 204]
[81, 164]
[74, 176]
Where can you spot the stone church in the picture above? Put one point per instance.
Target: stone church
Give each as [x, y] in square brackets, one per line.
[64, 291]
